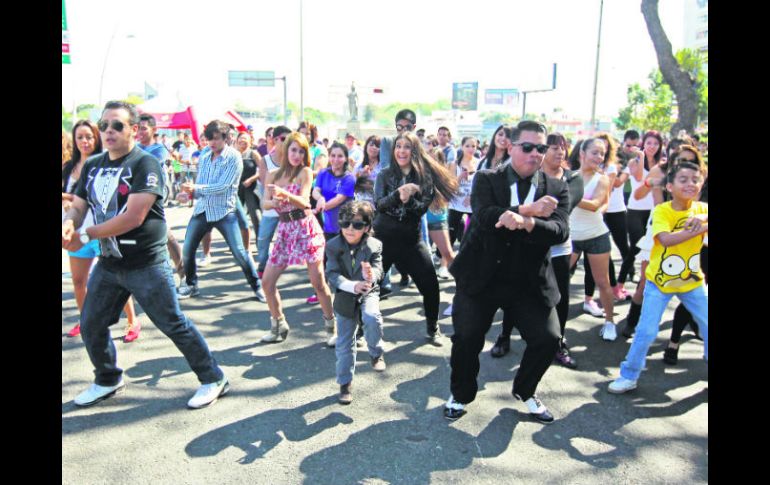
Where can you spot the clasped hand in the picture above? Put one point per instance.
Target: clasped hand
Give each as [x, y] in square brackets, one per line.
[407, 190]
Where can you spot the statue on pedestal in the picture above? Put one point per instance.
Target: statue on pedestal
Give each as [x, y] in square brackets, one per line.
[353, 103]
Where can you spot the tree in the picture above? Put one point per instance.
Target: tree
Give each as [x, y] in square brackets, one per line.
[680, 81]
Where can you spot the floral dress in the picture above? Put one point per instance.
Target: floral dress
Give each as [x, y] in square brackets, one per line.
[298, 242]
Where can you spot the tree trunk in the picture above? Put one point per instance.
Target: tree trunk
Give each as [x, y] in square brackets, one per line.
[680, 81]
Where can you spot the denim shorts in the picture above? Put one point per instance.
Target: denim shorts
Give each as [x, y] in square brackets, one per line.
[596, 245]
[438, 225]
[88, 251]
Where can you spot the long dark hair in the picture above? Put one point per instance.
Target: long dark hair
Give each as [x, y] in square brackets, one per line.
[487, 160]
[659, 153]
[344, 149]
[376, 139]
[430, 173]
[76, 155]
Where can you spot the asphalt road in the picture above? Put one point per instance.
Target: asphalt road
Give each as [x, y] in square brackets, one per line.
[280, 422]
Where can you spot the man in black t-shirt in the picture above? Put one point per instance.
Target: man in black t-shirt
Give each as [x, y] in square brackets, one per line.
[124, 189]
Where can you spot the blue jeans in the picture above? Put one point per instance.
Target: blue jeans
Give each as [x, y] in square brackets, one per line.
[346, 340]
[240, 213]
[653, 306]
[424, 229]
[228, 227]
[266, 231]
[153, 289]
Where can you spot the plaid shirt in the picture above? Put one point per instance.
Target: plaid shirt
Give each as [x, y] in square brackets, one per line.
[217, 185]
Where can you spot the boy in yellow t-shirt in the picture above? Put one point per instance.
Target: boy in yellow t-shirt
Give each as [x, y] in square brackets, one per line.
[678, 229]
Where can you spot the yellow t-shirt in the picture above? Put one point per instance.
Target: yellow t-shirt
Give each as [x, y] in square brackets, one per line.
[675, 269]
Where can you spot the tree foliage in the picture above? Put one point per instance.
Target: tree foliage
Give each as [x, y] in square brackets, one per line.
[652, 107]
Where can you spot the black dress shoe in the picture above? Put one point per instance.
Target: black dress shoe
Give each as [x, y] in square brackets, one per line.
[404, 281]
[502, 346]
[454, 414]
[545, 417]
[628, 331]
[671, 356]
[385, 292]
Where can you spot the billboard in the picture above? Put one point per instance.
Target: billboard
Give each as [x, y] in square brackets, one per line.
[65, 37]
[465, 96]
[251, 78]
[506, 97]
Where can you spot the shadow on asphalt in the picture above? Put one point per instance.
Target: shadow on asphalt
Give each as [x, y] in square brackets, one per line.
[643, 403]
[259, 434]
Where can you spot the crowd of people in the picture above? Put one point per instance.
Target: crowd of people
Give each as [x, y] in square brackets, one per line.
[508, 219]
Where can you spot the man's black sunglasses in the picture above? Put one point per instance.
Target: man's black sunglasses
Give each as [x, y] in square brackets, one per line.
[114, 124]
[357, 225]
[527, 147]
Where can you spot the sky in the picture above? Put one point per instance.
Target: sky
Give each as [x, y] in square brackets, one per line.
[413, 50]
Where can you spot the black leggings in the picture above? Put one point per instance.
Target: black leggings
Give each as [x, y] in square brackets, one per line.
[415, 260]
[637, 225]
[250, 202]
[456, 226]
[682, 316]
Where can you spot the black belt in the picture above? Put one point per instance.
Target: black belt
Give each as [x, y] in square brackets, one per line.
[295, 215]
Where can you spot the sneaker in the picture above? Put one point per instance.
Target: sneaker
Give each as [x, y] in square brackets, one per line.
[502, 346]
[208, 394]
[132, 332]
[608, 332]
[453, 410]
[186, 291]
[448, 311]
[620, 293]
[443, 273]
[75, 331]
[621, 385]
[592, 308]
[346, 394]
[96, 393]
[564, 358]
[436, 260]
[204, 261]
[259, 294]
[378, 363]
[671, 355]
[385, 291]
[313, 300]
[628, 331]
[538, 410]
[434, 337]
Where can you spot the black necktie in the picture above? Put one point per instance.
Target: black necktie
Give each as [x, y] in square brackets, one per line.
[523, 186]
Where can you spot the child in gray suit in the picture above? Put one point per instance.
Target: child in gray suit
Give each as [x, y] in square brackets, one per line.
[354, 271]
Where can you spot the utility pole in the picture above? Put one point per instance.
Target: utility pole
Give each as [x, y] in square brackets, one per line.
[596, 72]
[301, 70]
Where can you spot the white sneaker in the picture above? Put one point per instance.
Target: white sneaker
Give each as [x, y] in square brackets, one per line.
[621, 385]
[592, 308]
[443, 273]
[96, 393]
[260, 295]
[436, 260]
[209, 393]
[608, 332]
[204, 261]
[448, 311]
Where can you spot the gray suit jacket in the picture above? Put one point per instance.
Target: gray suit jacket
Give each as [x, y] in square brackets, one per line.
[341, 266]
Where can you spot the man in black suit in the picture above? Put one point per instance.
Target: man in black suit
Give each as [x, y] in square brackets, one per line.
[503, 262]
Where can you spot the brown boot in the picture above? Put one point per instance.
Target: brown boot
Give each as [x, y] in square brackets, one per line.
[346, 395]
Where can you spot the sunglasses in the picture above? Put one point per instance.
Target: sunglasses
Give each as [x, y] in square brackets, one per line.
[408, 127]
[114, 124]
[357, 225]
[527, 147]
[691, 160]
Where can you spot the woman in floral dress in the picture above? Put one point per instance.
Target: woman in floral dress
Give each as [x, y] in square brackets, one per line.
[300, 238]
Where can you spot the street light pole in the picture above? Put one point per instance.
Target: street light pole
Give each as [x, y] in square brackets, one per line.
[104, 64]
[301, 69]
[596, 72]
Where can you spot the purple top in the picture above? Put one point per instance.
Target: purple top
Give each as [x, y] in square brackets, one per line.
[330, 187]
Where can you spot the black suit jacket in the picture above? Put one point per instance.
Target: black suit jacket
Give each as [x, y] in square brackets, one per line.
[340, 267]
[483, 245]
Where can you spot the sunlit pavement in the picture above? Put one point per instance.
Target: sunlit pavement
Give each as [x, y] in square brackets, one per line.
[280, 422]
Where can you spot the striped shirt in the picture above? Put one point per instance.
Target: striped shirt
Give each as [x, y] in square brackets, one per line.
[217, 185]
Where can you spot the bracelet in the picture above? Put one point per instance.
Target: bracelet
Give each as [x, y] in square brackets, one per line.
[647, 183]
